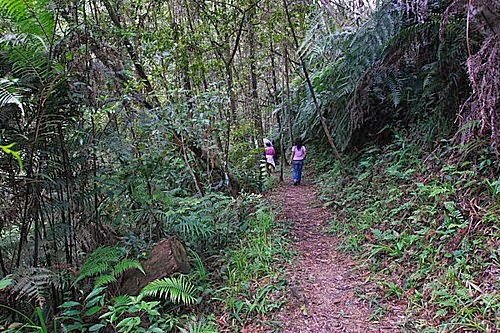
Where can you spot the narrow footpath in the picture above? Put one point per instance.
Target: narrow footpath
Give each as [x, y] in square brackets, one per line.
[323, 281]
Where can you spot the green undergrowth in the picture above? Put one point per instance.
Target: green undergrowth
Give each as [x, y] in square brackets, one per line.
[236, 250]
[427, 224]
[252, 274]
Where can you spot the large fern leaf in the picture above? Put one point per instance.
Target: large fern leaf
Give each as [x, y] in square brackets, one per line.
[34, 284]
[176, 289]
[31, 16]
[100, 261]
[199, 327]
[125, 265]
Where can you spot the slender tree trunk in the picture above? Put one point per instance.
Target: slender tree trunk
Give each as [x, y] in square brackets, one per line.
[256, 114]
[2, 264]
[196, 180]
[288, 97]
[139, 69]
[310, 86]
[230, 91]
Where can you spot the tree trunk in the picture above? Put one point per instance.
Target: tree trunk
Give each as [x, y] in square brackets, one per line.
[310, 86]
[256, 114]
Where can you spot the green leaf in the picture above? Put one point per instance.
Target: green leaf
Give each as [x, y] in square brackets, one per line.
[30, 17]
[16, 154]
[78, 327]
[69, 304]
[71, 312]
[176, 289]
[129, 322]
[104, 280]
[96, 327]
[125, 265]
[94, 301]
[95, 292]
[5, 282]
[92, 311]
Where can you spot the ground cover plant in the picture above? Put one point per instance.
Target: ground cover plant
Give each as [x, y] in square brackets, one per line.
[426, 224]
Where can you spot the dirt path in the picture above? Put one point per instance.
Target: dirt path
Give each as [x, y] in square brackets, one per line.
[323, 281]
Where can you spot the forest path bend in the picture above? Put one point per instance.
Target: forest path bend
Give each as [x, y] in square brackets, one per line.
[323, 281]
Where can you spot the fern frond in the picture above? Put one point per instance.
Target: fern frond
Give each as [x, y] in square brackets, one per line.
[455, 213]
[193, 227]
[104, 280]
[92, 269]
[9, 94]
[121, 300]
[34, 284]
[95, 293]
[176, 289]
[31, 17]
[100, 261]
[125, 265]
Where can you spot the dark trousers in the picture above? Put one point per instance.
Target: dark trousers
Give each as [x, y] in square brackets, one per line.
[297, 170]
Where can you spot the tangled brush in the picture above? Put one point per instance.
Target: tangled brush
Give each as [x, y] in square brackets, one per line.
[479, 114]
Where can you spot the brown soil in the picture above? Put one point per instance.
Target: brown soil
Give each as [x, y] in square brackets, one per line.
[323, 281]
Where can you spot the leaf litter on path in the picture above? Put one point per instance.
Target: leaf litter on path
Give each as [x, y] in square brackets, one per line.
[322, 280]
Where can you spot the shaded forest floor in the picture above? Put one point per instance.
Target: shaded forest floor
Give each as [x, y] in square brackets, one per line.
[324, 283]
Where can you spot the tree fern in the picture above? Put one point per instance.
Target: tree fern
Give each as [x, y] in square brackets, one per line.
[176, 289]
[344, 81]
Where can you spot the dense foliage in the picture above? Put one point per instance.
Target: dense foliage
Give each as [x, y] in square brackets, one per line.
[123, 123]
[126, 122]
[402, 64]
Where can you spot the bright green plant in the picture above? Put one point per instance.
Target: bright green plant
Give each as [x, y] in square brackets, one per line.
[7, 149]
[125, 313]
[74, 315]
[251, 262]
[106, 264]
[177, 290]
[199, 327]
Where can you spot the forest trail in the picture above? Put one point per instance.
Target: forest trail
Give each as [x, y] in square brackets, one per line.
[323, 281]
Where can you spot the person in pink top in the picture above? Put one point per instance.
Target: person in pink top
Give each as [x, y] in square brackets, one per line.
[270, 154]
[299, 153]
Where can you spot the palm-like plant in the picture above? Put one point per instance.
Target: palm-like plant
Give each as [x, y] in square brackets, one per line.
[34, 90]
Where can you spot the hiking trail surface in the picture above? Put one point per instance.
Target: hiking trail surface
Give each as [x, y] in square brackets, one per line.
[322, 280]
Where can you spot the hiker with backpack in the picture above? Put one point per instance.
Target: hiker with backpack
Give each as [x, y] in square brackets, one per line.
[299, 153]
